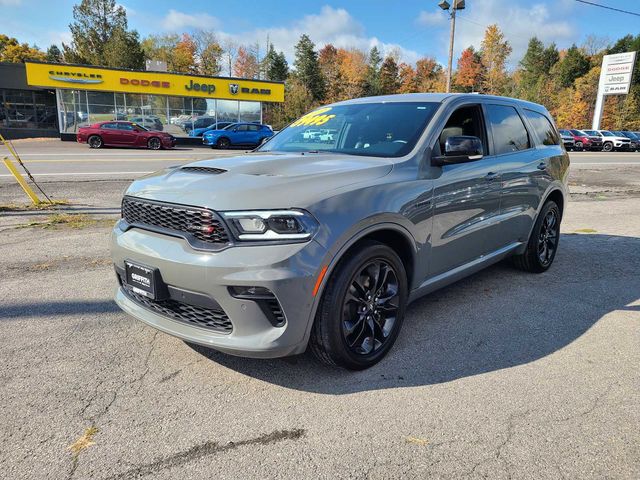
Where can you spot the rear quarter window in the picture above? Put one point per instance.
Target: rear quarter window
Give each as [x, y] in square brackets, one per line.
[544, 129]
[509, 133]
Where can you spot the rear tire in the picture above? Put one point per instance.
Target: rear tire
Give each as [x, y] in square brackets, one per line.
[95, 141]
[543, 242]
[362, 308]
[154, 143]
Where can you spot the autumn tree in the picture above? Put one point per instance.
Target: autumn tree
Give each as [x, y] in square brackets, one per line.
[179, 52]
[468, 76]
[246, 64]
[353, 73]
[407, 79]
[494, 53]
[330, 66]
[208, 52]
[389, 81]
[429, 76]
[100, 36]
[12, 51]
[307, 68]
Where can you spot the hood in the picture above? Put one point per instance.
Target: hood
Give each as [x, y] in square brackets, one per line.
[259, 180]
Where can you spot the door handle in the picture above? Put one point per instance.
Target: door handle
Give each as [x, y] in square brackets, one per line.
[542, 166]
[491, 176]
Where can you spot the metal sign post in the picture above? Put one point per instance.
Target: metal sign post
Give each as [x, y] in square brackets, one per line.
[615, 79]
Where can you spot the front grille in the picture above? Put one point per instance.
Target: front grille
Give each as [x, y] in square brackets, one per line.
[197, 316]
[211, 170]
[199, 223]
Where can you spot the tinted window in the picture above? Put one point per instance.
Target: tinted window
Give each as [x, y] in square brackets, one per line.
[253, 128]
[243, 128]
[509, 133]
[544, 128]
[125, 126]
[110, 126]
[389, 129]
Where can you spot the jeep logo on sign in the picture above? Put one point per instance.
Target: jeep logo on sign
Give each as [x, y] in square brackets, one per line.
[200, 87]
[233, 88]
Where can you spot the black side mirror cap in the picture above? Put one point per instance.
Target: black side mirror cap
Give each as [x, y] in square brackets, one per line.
[460, 149]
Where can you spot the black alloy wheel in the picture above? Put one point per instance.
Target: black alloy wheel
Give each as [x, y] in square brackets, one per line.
[579, 145]
[154, 143]
[607, 147]
[362, 307]
[95, 141]
[370, 307]
[223, 143]
[543, 242]
[548, 238]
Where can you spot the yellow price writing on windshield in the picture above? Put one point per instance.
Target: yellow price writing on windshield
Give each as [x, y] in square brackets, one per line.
[316, 117]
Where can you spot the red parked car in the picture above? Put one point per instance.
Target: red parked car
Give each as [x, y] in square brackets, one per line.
[584, 141]
[127, 134]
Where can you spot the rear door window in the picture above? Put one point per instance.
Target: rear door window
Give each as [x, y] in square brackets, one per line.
[109, 126]
[509, 133]
[544, 128]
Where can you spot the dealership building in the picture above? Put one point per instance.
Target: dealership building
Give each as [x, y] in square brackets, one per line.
[53, 99]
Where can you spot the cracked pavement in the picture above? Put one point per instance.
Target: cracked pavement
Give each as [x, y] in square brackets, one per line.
[502, 375]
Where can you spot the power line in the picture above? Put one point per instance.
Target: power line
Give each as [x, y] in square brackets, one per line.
[609, 8]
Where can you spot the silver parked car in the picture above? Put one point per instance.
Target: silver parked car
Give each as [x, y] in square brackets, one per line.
[323, 244]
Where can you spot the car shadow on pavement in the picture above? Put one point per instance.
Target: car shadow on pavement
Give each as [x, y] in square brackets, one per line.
[496, 319]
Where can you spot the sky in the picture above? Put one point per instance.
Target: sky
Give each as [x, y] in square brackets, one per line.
[414, 28]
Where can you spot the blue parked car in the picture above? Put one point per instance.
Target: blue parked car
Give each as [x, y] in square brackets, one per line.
[237, 134]
[198, 132]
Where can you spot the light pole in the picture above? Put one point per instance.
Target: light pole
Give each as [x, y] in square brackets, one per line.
[457, 5]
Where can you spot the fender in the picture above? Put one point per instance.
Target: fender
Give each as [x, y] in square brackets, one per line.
[555, 186]
[333, 256]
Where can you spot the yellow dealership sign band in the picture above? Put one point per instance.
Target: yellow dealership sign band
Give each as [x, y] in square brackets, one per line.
[80, 77]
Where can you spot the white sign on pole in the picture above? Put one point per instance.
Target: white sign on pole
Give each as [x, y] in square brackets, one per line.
[615, 79]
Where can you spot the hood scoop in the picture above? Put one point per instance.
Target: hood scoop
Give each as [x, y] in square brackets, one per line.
[209, 170]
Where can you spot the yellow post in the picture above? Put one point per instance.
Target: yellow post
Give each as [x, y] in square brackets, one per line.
[25, 186]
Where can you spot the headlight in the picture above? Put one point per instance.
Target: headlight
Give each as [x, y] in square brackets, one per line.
[271, 225]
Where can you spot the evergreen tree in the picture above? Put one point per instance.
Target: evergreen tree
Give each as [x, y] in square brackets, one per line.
[275, 65]
[574, 65]
[373, 71]
[308, 69]
[54, 54]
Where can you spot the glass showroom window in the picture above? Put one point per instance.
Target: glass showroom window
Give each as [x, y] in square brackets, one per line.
[250, 112]
[45, 104]
[72, 110]
[227, 110]
[180, 115]
[19, 109]
[101, 106]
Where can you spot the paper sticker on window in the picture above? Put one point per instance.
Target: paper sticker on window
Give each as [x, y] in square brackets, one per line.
[317, 117]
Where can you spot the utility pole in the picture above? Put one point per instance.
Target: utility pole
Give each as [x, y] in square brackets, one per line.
[457, 5]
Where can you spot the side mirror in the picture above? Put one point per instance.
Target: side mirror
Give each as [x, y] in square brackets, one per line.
[460, 149]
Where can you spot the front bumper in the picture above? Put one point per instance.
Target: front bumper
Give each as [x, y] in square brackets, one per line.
[288, 271]
[209, 140]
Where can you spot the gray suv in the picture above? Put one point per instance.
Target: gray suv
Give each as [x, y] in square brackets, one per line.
[304, 242]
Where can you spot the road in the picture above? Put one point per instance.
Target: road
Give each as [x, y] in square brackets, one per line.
[53, 158]
[502, 375]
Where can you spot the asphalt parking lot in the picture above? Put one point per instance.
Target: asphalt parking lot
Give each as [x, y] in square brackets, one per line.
[502, 375]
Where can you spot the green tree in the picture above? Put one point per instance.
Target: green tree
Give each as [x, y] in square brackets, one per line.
[275, 65]
[308, 69]
[373, 71]
[99, 32]
[494, 53]
[389, 79]
[574, 65]
[535, 67]
[54, 54]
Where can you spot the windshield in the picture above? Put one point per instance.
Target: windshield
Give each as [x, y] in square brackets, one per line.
[607, 134]
[368, 129]
[592, 132]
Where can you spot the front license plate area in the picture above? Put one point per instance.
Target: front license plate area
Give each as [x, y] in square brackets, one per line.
[142, 279]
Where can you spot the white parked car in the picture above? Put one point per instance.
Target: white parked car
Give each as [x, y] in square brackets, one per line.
[611, 141]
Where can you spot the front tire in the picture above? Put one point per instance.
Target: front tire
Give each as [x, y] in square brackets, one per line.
[154, 143]
[579, 146]
[362, 309]
[543, 243]
[223, 143]
[95, 141]
[607, 147]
